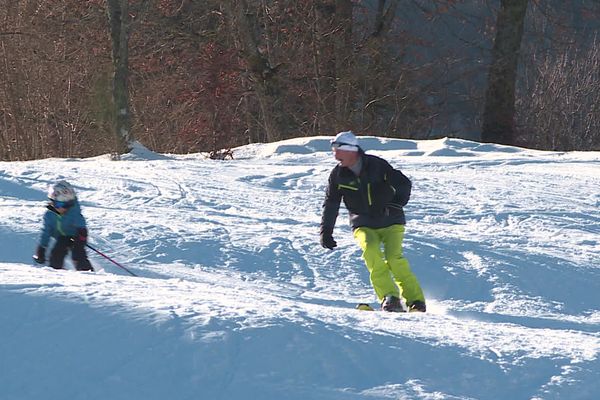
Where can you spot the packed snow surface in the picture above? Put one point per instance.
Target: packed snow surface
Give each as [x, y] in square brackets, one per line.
[235, 299]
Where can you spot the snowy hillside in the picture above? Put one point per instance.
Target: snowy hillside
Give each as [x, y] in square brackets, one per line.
[235, 298]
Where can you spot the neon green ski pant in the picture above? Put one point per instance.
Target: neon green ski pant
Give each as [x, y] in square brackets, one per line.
[389, 271]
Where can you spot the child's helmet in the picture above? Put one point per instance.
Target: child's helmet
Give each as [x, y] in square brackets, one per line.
[62, 192]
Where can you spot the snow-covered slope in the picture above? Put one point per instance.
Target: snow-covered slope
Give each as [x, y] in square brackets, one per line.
[236, 299]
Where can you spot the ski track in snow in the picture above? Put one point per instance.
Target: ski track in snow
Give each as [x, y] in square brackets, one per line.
[505, 242]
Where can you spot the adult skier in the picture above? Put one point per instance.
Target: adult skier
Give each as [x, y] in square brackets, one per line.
[374, 194]
[64, 222]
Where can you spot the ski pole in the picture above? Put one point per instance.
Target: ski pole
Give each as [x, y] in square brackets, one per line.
[110, 259]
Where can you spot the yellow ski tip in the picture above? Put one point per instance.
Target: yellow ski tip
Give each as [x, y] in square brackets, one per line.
[364, 307]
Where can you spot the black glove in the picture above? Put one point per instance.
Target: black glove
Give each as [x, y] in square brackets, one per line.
[81, 235]
[40, 255]
[327, 238]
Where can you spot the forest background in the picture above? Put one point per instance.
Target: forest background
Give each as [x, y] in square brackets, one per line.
[81, 78]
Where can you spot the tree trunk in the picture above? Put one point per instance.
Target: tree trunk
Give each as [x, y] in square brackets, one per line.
[499, 109]
[118, 17]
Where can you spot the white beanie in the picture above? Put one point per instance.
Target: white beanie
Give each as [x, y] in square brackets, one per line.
[345, 141]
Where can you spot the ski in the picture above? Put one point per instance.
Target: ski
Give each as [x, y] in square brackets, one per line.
[368, 307]
[364, 307]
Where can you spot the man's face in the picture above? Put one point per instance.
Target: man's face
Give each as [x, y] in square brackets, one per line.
[345, 157]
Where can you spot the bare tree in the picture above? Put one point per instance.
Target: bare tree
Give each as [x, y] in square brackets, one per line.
[118, 17]
[47, 60]
[499, 108]
[343, 62]
[561, 110]
[261, 73]
[194, 76]
[558, 94]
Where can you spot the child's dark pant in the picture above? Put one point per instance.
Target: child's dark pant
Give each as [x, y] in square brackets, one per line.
[78, 254]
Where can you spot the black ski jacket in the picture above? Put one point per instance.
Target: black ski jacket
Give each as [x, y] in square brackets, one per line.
[365, 195]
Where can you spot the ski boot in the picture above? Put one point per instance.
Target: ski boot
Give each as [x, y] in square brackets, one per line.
[392, 304]
[417, 306]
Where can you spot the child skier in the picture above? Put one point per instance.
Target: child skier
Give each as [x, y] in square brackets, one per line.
[63, 221]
